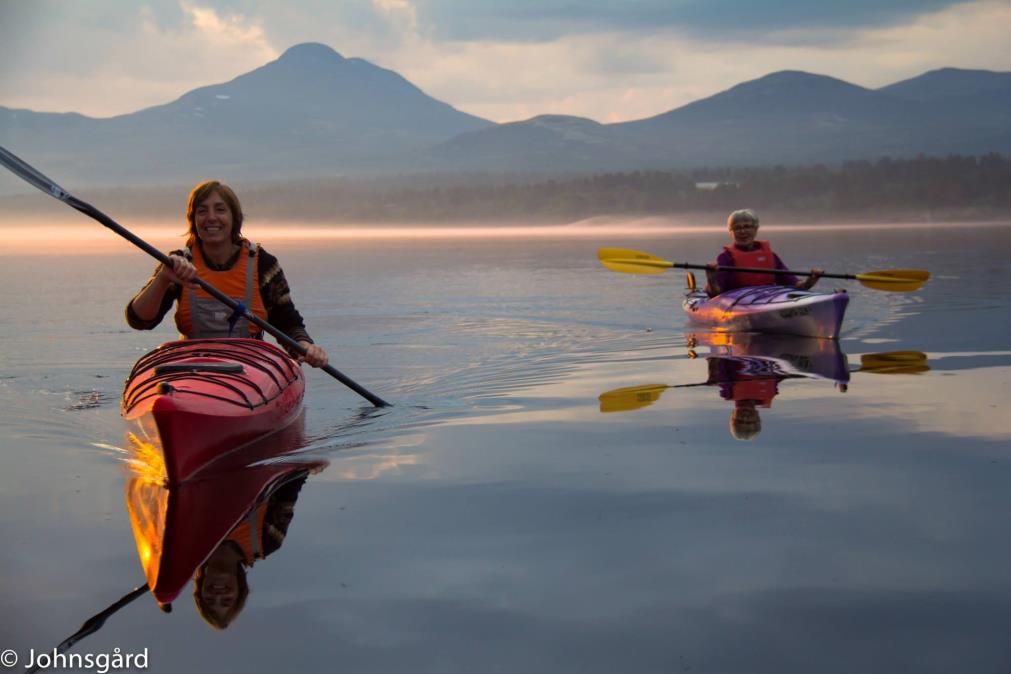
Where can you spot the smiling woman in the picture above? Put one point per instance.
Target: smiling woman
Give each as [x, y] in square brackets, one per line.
[217, 252]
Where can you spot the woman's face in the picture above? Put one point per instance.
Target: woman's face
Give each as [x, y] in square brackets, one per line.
[213, 220]
[744, 232]
[219, 590]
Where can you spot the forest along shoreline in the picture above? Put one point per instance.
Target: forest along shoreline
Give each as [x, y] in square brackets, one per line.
[923, 189]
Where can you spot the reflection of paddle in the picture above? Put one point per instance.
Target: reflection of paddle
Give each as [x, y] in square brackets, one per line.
[636, 397]
[638, 262]
[95, 622]
[889, 362]
[894, 362]
[27, 173]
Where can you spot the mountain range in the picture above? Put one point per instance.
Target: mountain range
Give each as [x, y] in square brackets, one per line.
[313, 113]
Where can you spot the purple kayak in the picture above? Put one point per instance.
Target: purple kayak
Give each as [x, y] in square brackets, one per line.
[769, 309]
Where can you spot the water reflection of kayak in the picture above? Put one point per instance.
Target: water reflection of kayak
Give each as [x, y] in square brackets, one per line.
[775, 356]
[769, 309]
[177, 527]
[193, 400]
[745, 366]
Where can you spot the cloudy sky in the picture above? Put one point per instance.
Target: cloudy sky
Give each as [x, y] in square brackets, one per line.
[504, 60]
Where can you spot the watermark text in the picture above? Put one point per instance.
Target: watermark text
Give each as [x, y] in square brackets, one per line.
[101, 663]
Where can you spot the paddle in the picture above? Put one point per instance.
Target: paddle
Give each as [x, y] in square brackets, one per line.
[33, 177]
[638, 262]
[894, 362]
[636, 397]
[95, 622]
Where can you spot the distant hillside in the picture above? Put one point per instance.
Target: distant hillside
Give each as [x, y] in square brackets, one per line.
[785, 117]
[947, 83]
[546, 142]
[788, 117]
[310, 112]
[315, 114]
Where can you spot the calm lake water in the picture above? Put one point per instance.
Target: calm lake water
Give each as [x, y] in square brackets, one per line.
[497, 520]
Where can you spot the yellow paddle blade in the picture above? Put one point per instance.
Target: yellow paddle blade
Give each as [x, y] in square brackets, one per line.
[895, 280]
[894, 362]
[630, 261]
[631, 397]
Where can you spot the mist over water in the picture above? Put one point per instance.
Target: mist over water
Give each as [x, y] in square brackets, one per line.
[499, 515]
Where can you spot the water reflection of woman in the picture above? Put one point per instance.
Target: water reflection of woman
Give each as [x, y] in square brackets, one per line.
[220, 587]
[745, 422]
[748, 388]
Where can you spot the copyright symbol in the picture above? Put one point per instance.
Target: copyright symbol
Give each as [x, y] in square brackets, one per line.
[8, 658]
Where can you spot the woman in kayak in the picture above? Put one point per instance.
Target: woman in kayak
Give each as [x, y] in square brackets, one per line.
[218, 253]
[746, 251]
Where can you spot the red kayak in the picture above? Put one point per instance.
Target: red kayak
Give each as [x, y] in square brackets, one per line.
[192, 401]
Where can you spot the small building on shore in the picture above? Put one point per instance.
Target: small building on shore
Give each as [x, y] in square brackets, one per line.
[709, 187]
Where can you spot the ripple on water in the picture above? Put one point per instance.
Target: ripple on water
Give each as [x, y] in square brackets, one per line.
[88, 400]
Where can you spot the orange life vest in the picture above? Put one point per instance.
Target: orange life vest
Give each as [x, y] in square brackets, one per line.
[199, 315]
[248, 534]
[761, 257]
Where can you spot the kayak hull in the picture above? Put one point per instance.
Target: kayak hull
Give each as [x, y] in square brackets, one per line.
[769, 309]
[194, 400]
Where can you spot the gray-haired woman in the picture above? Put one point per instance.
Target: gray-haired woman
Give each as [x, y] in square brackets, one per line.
[747, 251]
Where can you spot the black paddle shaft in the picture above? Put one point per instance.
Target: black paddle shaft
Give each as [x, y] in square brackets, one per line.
[95, 622]
[23, 170]
[759, 270]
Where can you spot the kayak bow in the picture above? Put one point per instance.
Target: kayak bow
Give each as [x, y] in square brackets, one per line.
[196, 399]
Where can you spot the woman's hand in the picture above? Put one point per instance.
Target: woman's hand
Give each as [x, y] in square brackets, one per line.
[314, 354]
[182, 272]
[147, 302]
[712, 287]
[811, 280]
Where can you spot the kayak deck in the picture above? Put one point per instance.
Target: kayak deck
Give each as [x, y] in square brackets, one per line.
[195, 399]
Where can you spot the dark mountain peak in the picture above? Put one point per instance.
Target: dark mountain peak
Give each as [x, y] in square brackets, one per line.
[782, 99]
[310, 52]
[953, 71]
[791, 76]
[792, 82]
[946, 82]
[314, 65]
[559, 121]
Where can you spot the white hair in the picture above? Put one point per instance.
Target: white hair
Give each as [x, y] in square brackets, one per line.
[743, 214]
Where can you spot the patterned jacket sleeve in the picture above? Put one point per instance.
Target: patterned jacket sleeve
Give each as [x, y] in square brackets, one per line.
[281, 311]
[171, 295]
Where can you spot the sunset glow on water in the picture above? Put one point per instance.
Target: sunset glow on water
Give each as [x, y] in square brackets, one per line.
[69, 237]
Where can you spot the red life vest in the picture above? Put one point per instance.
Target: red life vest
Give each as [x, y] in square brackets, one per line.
[760, 390]
[761, 257]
